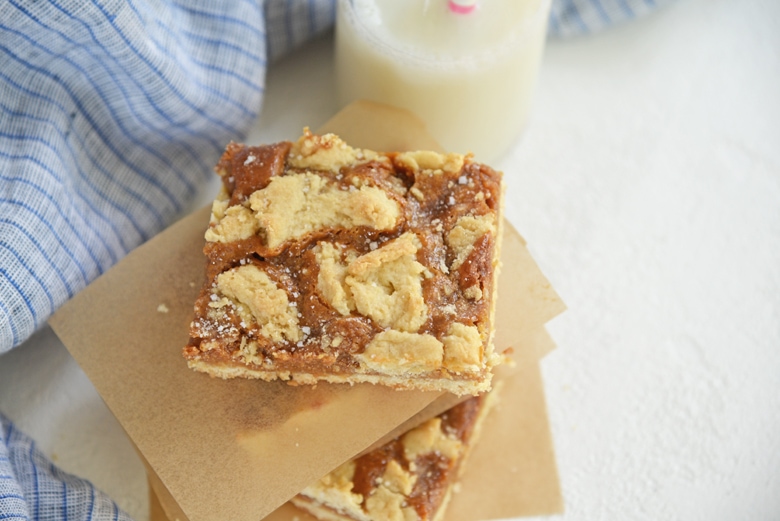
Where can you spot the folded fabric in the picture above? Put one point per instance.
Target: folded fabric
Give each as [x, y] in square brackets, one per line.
[32, 488]
[113, 114]
[578, 17]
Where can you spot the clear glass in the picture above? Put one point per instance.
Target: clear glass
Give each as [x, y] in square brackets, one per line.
[470, 77]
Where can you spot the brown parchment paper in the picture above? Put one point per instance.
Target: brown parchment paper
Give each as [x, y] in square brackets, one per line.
[510, 472]
[239, 449]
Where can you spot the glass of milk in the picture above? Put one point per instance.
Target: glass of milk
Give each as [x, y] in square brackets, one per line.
[466, 67]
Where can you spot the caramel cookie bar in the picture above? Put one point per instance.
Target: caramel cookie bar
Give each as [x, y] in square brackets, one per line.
[332, 263]
[410, 478]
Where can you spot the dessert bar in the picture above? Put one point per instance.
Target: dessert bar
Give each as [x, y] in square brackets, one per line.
[332, 263]
[411, 478]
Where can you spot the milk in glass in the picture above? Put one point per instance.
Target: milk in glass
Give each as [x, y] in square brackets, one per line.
[469, 73]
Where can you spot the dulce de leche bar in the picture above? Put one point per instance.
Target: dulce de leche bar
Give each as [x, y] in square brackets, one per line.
[410, 478]
[333, 263]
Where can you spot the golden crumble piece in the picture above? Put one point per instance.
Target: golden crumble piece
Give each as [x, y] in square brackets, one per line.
[465, 234]
[398, 353]
[256, 299]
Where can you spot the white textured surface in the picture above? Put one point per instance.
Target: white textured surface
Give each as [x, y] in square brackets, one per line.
[648, 187]
[649, 191]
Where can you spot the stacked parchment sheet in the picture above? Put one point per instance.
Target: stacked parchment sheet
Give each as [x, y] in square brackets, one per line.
[241, 449]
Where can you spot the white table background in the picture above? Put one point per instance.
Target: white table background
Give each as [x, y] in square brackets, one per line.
[648, 188]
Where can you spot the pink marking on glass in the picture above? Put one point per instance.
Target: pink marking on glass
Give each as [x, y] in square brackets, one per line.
[461, 8]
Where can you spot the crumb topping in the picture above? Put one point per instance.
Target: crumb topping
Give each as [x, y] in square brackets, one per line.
[386, 284]
[428, 438]
[295, 205]
[431, 163]
[462, 348]
[389, 506]
[331, 280]
[465, 233]
[397, 352]
[236, 223]
[257, 299]
[326, 152]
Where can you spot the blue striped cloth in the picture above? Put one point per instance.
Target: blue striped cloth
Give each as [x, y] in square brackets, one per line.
[112, 114]
[31, 487]
[570, 18]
